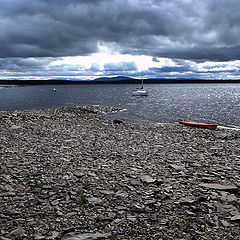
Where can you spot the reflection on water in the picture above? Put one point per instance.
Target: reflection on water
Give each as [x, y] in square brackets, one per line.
[214, 103]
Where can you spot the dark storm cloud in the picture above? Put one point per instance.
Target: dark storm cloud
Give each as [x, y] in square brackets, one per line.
[184, 29]
[201, 53]
[23, 64]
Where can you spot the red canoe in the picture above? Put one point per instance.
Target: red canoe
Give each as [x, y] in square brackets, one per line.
[200, 125]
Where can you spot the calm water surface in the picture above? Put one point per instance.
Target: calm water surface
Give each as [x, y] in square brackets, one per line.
[166, 103]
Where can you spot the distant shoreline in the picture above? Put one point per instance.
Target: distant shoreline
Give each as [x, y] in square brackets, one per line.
[8, 85]
[15, 83]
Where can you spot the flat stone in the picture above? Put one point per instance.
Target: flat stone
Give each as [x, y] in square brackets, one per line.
[229, 198]
[225, 223]
[54, 235]
[187, 201]
[177, 167]
[134, 182]
[55, 202]
[147, 179]
[106, 192]
[70, 214]
[220, 187]
[139, 209]
[121, 194]
[15, 127]
[89, 236]
[95, 201]
[38, 236]
[235, 218]
[227, 209]
[8, 194]
[46, 187]
[102, 218]
[3, 238]
[131, 219]
[17, 233]
[164, 221]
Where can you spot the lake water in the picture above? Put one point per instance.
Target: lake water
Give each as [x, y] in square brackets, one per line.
[166, 103]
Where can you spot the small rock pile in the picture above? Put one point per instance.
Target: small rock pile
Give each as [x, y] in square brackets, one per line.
[70, 174]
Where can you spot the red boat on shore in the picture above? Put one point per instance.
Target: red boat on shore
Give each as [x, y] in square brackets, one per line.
[199, 125]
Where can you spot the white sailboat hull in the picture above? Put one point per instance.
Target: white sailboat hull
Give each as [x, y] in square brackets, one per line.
[140, 92]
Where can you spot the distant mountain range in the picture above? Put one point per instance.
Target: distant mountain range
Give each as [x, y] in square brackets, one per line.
[113, 80]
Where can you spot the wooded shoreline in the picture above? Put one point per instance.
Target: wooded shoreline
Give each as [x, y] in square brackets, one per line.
[123, 81]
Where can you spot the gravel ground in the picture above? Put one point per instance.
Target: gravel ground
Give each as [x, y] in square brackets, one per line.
[70, 174]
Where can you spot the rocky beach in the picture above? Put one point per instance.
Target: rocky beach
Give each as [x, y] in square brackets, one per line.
[72, 174]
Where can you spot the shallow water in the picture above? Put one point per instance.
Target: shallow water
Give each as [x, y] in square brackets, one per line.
[166, 103]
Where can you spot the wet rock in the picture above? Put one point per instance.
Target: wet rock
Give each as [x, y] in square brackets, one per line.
[118, 121]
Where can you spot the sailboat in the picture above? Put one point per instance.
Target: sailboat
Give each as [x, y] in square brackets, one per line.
[140, 91]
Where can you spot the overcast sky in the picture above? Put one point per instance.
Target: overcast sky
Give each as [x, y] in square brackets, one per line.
[86, 39]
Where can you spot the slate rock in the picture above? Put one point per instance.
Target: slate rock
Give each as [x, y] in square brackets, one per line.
[177, 167]
[225, 223]
[89, 236]
[95, 201]
[147, 179]
[17, 233]
[118, 121]
[235, 218]
[220, 187]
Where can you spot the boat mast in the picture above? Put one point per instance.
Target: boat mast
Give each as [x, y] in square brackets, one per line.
[142, 81]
